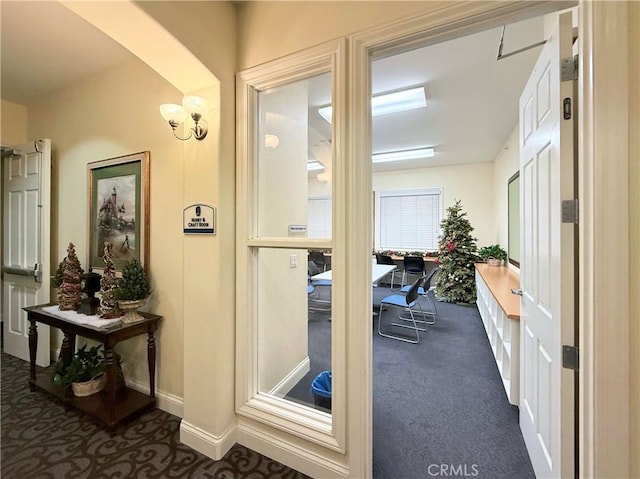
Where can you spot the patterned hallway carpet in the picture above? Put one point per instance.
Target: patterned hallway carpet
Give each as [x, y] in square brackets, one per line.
[42, 440]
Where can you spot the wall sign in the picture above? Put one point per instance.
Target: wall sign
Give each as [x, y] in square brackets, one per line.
[200, 219]
[297, 230]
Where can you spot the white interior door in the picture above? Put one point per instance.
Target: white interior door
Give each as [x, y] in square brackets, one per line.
[547, 267]
[26, 263]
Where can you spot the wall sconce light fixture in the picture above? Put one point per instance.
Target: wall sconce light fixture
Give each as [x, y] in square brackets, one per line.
[194, 106]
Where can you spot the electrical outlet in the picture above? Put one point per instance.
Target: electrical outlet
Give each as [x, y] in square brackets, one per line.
[293, 261]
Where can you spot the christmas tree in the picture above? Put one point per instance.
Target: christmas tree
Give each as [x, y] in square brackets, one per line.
[108, 302]
[70, 295]
[456, 255]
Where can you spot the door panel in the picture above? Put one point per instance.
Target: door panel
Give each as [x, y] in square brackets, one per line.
[26, 258]
[547, 316]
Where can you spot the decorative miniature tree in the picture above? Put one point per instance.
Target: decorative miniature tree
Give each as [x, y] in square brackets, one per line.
[70, 295]
[59, 275]
[134, 284]
[132, 291]
[108, 284]
[456, 255]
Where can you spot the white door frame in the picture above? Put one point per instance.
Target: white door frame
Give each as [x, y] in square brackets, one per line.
[604, 430]
[604, 227]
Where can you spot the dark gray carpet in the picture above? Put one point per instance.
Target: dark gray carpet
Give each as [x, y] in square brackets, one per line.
[42, 440]
[319, 356]
[439, 407]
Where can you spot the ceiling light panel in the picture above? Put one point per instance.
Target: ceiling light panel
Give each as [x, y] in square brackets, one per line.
[402, 155]
[314, 166]
[387, 103]
[398, 101]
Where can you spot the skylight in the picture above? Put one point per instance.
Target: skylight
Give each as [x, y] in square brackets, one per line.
[386, 103]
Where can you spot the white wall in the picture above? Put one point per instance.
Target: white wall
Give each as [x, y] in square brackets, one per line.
[471, 183]
[13, 123]
[505, 165]
[269, 30]
[208, 30]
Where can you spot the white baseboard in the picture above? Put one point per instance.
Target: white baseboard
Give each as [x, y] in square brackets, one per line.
[206, 443]
[287, 452]
[165, 401]
[286, 384]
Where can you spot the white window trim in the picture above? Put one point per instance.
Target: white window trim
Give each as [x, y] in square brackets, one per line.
[298, 420]
[401, 192]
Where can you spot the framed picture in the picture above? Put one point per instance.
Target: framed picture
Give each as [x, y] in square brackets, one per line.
[119, 209]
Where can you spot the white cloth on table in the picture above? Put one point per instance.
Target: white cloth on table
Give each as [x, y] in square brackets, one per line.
[77, 318]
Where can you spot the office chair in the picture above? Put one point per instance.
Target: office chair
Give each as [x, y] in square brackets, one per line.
[314, 286]
[386, 259]
[425, 291]
[412, 265]
[407, 302]
[319, 259]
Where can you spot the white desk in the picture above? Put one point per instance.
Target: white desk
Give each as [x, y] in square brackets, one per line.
[378, 271]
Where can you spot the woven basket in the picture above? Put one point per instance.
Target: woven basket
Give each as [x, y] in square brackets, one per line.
[88, 388]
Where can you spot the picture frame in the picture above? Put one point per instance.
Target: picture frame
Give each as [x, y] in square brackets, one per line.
[118, 209]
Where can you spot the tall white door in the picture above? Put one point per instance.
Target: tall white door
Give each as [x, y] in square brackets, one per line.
[26, 260]
[547, 268]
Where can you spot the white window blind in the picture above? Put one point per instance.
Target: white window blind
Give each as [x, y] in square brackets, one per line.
[319, 218]
[408, 220]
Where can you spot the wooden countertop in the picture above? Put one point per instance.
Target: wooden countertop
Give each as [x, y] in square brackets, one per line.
[500, 281]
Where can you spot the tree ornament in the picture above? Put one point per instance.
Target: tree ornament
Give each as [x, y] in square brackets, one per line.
[108, 302]
[456, 257]
[70, 295]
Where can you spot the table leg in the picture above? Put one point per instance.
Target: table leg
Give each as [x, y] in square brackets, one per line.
[151, 358]
[33, 350]
[110, 388]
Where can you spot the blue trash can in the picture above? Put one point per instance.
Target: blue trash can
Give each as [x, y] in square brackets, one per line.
[321, 390]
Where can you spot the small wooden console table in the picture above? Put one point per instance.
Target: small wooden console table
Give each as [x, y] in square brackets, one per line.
[110, 406]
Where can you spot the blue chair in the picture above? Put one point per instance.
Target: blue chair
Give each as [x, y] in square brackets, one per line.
[407, 303]
[425, 291]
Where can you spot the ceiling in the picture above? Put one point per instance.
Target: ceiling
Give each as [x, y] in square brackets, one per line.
[46, 47]
[471, 98]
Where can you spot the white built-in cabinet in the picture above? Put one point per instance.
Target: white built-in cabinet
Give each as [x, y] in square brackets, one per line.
[500, 313]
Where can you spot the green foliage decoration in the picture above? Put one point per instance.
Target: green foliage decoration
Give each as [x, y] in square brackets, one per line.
[457, 254]
[85, 365]
[134, 283]
[494, 251]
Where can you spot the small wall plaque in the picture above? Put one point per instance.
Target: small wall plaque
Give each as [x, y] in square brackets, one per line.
[199, 219]
[297, 230]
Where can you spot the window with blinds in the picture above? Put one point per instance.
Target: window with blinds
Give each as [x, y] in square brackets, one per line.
[319, 218]
[408, 220]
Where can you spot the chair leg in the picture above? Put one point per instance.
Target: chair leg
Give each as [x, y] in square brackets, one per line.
[422, 312]
[399, 338]
[315, 298]
[393, 275]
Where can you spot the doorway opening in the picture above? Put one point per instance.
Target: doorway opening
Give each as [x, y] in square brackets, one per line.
[445, 395]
